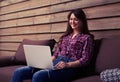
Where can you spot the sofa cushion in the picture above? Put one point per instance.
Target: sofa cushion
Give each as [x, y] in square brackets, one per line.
[20, 56]
[109, 54]
[6, 60]
[7, 72]
[94, 78]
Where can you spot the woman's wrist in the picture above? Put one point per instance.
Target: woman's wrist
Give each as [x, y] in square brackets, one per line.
[69, 65]
[73, 64]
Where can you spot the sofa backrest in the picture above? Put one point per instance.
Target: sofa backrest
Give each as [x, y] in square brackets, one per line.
[108, 55]
[20, 56]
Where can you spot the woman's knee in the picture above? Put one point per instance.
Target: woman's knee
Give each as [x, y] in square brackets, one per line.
[41, 76]
[20, 71]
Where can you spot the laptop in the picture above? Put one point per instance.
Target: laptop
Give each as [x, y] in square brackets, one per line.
[38, 56]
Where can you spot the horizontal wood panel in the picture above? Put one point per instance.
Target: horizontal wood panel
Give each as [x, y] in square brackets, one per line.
[47, 19]
[8, 31]
[11, 23]
[59, 17]
[103, 11]
[40, 3]
[55, 8]
[58, 27]
[42, 19]
[25, 21]
[95, 12]
[27, 13]
[56, 36]
[97, 34]
[30, 4]
[21, 37]
[80, 4]
[7, 53]
[104, 24]
[96, 24]
[15, 7]
[33, 12]
[106, 34]
[9, 2]
[26, 30]
[9, 16]
[9, 46]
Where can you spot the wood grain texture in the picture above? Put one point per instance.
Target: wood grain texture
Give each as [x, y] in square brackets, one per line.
[46, 19]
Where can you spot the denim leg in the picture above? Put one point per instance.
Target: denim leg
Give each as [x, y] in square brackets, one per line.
[22, 73]
[41, 76]
[62, 75]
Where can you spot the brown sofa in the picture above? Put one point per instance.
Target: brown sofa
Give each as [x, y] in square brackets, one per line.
[9, 64]
[106, 56]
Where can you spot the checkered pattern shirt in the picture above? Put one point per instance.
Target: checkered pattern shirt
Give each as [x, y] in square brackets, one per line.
[78, 48]
[110, 75]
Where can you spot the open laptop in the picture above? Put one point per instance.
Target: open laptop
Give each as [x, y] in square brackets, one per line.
[38, 56]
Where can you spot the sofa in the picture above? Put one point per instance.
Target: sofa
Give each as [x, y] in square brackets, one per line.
[106, 56]
[9, 63]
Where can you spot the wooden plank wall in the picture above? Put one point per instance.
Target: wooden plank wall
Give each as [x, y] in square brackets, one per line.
[44, 19]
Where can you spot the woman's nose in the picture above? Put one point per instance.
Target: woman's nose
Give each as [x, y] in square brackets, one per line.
[72, 21]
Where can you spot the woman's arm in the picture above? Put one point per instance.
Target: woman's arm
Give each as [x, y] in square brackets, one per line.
[87, 51]
[53, 58]
[73, 64]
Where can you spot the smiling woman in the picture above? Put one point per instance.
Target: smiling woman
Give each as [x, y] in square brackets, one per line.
[74, 50]
[46, 19]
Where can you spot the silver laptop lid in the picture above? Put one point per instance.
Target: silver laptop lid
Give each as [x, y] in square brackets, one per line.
[38, 56]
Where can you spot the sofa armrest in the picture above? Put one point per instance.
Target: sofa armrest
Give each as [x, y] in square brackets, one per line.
[6, 61]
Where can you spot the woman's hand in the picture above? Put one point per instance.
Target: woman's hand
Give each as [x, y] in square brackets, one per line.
[61, 65]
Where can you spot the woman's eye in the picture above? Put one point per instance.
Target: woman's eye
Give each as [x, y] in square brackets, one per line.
[74, 19]
[71, 19]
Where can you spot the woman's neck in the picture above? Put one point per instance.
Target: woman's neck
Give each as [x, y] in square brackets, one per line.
[75, 33]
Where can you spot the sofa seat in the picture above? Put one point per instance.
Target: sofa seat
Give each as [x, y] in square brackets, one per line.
[7, 72]
[94, 78]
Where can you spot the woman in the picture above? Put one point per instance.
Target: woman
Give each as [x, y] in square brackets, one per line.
[74, 50]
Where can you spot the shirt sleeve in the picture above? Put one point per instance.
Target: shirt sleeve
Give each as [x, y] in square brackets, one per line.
[57, 50]
[87, 51]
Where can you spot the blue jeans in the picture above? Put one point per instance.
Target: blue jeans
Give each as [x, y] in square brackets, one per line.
[40, 75]
[60, 75]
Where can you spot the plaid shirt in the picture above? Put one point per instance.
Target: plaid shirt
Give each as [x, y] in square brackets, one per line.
[110, 75]
[78, 48]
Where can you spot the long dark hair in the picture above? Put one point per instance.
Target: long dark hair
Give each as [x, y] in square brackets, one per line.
[80, 15]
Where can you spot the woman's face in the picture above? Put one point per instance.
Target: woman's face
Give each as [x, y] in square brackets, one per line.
[74, 22]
